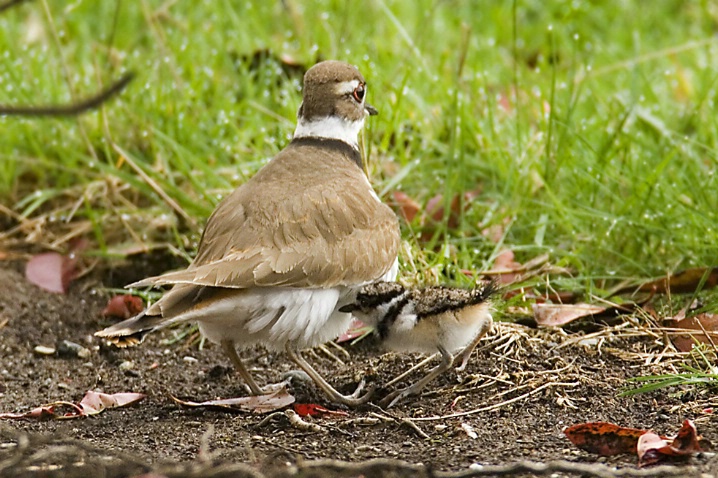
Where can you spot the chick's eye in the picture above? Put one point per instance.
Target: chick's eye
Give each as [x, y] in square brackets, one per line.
[359, 92]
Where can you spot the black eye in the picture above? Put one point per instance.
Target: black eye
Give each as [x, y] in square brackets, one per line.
[359, 92]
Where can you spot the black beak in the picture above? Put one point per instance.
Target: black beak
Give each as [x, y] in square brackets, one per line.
[371, 110]
[348, 307]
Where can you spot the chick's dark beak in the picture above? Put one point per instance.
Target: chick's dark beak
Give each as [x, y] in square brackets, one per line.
[371, 110]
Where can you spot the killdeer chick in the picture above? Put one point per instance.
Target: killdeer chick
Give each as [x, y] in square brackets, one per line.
[427, 320]
[286, 250]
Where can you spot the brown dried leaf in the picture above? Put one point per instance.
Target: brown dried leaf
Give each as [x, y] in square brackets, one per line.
[702, 322]
[556, 315]
[505, 267]
[685, 281]
[604, 438]
[406, 205]
[253, 404]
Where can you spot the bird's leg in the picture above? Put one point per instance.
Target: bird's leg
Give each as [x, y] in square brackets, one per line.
[228, 347]
[465, 354]
[348, 400]
[446, 360]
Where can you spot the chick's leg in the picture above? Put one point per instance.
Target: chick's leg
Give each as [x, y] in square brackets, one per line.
[393, 398]
[465, 354]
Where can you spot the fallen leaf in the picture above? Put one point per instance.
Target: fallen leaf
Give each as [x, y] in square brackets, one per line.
[702, 323]
[51, 271]
[91, 404]
[652, 448]
[505, 267]
[407, 206]
[123, 306]
[556, 315]
[496, 232]
[508, 270]
[314, 410]
[687, 439]
[648, 448]
[280, 398]
[95, 402]
[604, 438]
[685, 281]
[460, 203]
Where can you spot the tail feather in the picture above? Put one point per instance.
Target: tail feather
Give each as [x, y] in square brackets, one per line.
[132, 331]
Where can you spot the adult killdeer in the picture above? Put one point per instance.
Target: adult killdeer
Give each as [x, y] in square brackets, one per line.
[426, 320]
[286, 250]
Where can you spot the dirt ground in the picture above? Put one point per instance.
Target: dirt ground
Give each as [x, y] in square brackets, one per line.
[530, 383]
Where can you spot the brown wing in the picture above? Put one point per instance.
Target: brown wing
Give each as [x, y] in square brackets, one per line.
[334, 232]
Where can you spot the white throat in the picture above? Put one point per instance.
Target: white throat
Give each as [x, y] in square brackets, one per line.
[331, 127]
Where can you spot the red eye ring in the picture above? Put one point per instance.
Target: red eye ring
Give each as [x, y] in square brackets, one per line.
[359, 93]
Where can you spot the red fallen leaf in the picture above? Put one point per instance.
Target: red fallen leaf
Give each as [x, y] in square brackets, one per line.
[357, 328]
[701, 323]
[314, 410]
[51, 271]
[407, 206]
[123, 306]
[687, 439]
[91, 404]
[555, 315]
[652, 448]
[604, 438]
[280, 398]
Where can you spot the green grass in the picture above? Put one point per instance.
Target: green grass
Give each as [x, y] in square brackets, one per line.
[700, 376]
[589, 127]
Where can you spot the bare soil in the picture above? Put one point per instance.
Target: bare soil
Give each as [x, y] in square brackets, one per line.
[531, 383]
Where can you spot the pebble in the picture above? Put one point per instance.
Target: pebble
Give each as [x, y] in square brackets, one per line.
[127, 365]
[44, 350]
[189, 359]
[65, 348]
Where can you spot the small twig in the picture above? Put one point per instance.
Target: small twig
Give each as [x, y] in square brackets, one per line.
[498, 405]
[71, 109]
[385, 416]
[407, 422]
[268, 418]
[298, 422]
[155, 187]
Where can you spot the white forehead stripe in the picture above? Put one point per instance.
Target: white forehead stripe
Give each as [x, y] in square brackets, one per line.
[346, 87]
